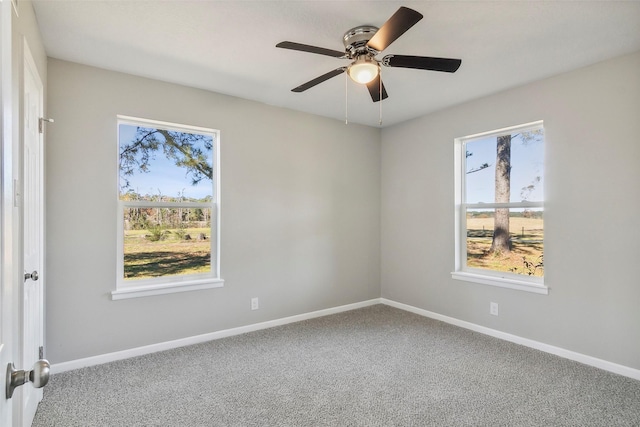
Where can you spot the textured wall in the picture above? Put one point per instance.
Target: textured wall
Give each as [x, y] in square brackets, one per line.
[592, 240]
[300, 213]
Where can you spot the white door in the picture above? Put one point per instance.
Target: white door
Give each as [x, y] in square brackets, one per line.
[7, 275]
[33, 240]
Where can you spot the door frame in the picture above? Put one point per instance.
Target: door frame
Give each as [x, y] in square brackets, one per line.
[8, 211]
[27, 397]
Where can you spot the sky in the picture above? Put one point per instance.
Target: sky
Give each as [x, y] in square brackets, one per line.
[163, 176]
[527, 162]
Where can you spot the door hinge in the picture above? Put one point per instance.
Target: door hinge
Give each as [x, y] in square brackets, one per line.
[41, 122]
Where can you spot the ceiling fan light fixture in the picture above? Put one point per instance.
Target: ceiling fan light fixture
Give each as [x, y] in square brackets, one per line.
[364, 69]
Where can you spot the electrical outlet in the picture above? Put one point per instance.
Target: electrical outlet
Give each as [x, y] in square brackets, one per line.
[255, 304]
[493, 308]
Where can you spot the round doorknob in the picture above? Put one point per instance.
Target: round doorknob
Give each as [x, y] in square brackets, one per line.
[39, 375]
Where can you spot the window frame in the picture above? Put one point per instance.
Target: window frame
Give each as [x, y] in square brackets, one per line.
[178, 283]
[462, 270]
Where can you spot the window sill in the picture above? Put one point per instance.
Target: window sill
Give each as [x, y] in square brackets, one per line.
[165, 288]
[502, 282]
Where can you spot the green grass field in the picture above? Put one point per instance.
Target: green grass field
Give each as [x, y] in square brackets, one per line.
[527, 236]
[171, 256]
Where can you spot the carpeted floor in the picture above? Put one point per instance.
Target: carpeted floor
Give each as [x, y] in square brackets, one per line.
[376, 366]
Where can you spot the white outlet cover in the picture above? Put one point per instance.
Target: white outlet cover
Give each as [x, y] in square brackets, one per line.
[493, 308]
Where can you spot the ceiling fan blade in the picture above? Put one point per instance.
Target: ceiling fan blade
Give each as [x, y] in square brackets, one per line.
[397, 25]
[374, 89]
[447, 65]
[311, 49]
[318, 80]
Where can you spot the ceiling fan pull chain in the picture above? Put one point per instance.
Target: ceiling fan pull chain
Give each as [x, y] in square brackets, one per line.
[346, 99]
[380, 102]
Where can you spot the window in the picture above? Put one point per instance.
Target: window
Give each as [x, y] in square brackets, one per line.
[499, 208]
[168, 208]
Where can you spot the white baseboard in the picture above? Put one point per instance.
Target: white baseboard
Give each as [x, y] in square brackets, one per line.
[567, 354]
[139, 351]
[168, 345]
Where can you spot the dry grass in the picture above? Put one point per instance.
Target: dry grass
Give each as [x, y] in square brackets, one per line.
[527, 236]
[172, 256]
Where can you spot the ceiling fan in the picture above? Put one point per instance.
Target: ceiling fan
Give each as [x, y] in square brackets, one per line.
[362, 45]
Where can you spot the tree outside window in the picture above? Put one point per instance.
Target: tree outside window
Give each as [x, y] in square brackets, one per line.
[167, 202]
[500, 203]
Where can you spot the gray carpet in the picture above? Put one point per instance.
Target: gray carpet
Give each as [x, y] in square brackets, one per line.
[376, 366]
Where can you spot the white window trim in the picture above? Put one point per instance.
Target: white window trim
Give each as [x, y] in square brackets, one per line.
[166, 288]
[476, 275]
[172, 284]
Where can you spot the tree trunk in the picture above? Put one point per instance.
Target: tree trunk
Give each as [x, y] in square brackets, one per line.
[501, 240]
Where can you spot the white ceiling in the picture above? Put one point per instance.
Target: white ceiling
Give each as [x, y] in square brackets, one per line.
[229, 46]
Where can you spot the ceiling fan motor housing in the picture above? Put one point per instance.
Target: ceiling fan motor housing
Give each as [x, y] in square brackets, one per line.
[355, 40]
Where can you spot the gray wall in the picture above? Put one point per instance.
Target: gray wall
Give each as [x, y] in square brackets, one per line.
[311, 208]
[300, 213]
[592, 239]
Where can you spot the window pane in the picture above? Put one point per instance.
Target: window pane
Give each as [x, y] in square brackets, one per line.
[480, 170]
[520, 156]
[160, 242]
[164, 164]
[523, 249]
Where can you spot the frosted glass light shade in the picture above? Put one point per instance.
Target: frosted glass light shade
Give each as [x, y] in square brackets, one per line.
[363, 70]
